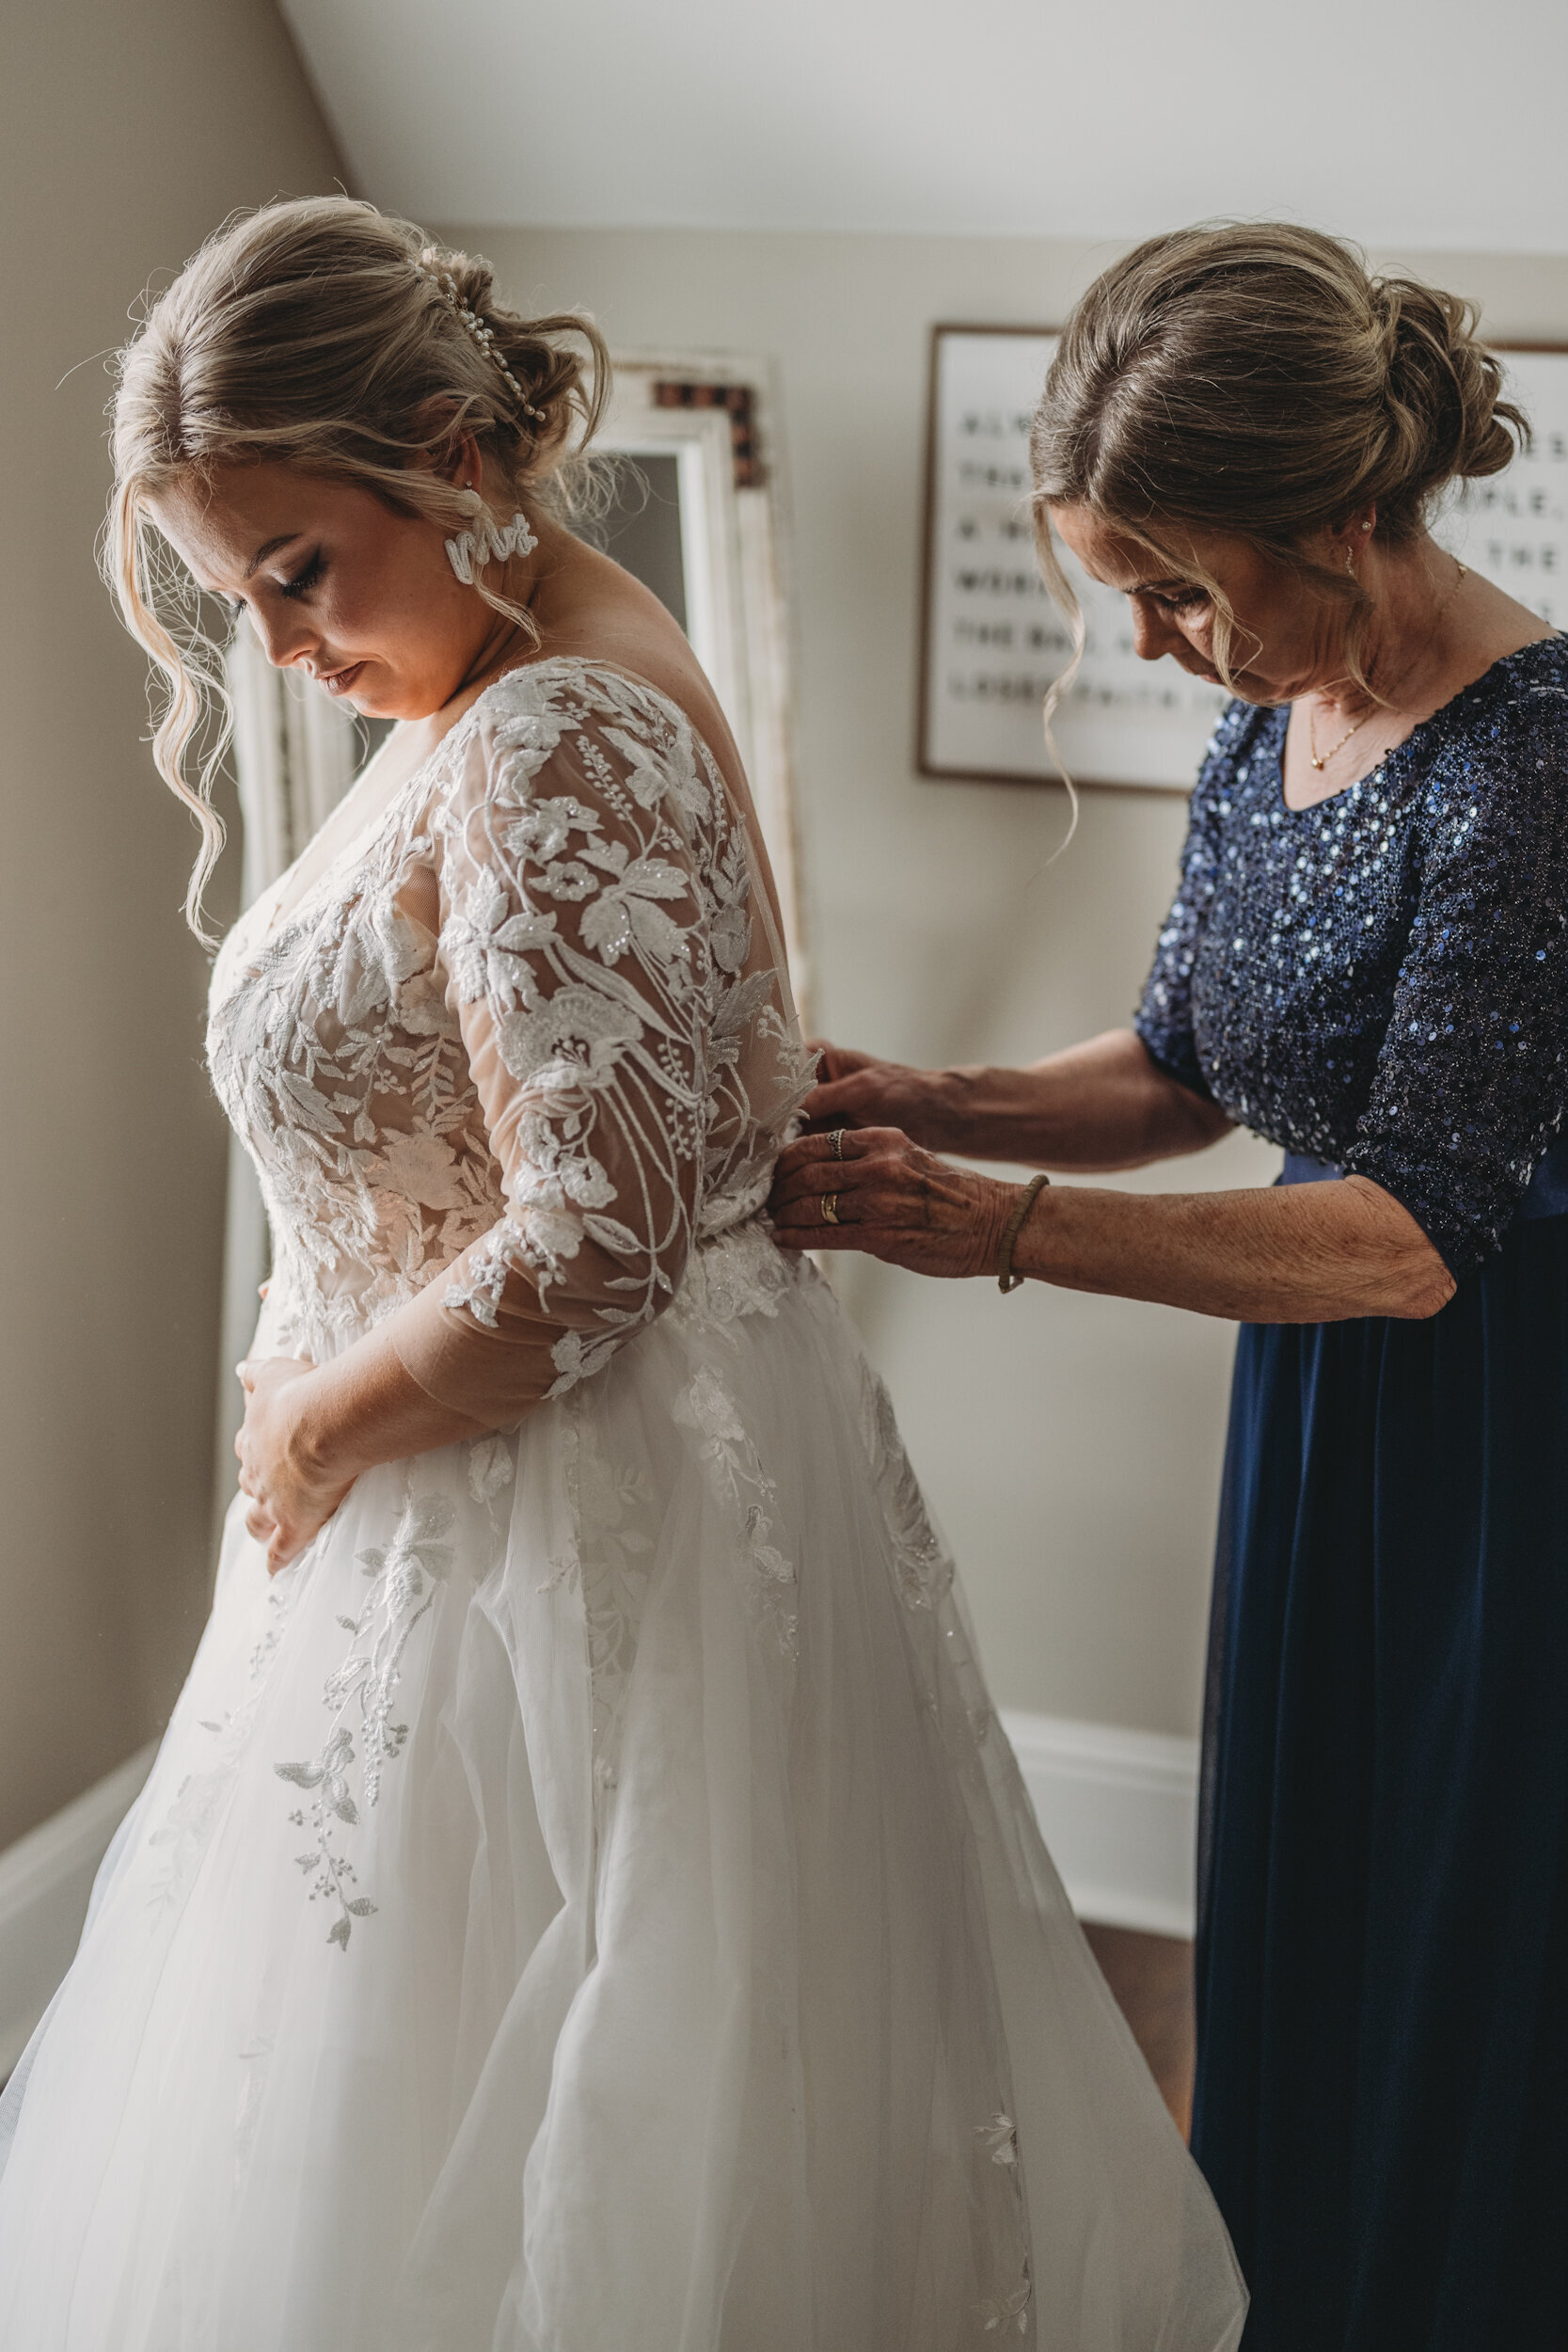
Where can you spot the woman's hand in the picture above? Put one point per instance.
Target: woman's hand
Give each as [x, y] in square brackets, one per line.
[293, 1493]
[891, 1199]
[857, 1090]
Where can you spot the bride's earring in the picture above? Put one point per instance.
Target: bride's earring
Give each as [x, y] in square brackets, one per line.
[470, 551]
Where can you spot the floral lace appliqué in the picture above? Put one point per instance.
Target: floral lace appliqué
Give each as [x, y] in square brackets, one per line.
[1004, 2313]
[492, 1465]
[924, 1568]
[403, 1589]
[998, 2139]
[188, 1826]
[612, 1510]
[564, 896]
[735, 1470]
[1008, 2314]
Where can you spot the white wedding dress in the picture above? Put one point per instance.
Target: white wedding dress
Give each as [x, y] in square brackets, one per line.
[586, 1904]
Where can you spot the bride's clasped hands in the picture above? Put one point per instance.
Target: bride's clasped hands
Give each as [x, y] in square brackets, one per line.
[292, 1488]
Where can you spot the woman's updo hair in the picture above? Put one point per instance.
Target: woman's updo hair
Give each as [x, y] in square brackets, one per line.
[324, 335]
[1260, 379]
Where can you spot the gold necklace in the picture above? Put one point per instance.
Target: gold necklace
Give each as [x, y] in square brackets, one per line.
[1334, 748]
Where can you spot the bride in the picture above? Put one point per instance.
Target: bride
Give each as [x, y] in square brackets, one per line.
[584, 1901]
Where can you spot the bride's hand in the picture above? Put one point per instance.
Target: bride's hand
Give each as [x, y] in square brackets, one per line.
[292, 1494]
[892, 1200]
[855, 1089]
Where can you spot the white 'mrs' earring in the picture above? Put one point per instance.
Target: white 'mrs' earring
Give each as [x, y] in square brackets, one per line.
[470, 551]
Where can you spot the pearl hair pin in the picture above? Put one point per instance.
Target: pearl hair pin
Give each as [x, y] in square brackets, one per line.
[483, 335]
[470, 551]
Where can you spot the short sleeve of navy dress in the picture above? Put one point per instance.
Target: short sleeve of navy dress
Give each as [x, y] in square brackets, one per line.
[1379, 982]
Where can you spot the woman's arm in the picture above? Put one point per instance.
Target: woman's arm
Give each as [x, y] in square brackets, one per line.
[1298, 1253]
[310, 1430]
[1100, 1106]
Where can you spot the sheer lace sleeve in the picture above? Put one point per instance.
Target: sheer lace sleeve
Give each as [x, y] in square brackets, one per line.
[587, 962]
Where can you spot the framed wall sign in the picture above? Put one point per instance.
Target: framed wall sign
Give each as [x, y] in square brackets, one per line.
[1514, 527]
[993, 643]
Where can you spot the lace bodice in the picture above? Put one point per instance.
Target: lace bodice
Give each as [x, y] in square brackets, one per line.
[519, 1050]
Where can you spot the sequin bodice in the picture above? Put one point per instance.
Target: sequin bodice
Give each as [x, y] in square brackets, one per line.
[1382, 981]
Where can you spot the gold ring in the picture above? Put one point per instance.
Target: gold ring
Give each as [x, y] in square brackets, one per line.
[835, 1143]
[830, 1208]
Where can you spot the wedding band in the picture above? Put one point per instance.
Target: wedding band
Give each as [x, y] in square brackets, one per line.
[835, 1143]
[830, 1208]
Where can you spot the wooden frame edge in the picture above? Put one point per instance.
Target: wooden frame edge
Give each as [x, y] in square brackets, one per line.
[923, 766]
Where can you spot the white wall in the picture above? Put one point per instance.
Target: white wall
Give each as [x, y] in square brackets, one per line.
[126, 133]
[1072, 1445]
[1004, 118]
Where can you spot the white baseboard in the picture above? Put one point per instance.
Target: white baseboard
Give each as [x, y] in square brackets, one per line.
[1118, 1810]
[45, 1880]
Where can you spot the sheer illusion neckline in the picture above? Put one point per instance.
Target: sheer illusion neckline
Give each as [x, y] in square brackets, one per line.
[285, 912]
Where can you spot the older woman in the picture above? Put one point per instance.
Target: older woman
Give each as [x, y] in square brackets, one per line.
[1367, 961]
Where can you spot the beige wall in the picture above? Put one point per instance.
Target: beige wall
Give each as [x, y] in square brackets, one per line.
[1072, 1445]
[126, 133]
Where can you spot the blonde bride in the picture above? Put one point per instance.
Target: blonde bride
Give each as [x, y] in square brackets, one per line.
[584, 1901]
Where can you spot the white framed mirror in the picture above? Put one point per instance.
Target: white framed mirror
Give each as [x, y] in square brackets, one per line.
[704, 528]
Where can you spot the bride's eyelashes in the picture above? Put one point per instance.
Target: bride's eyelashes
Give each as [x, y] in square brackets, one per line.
[1189, 601]
[300, 585]
[305, 580]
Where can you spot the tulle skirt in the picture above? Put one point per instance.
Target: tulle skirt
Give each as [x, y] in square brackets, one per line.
[588, 1904]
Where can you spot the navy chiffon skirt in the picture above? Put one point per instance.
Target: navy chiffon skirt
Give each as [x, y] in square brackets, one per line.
[1381, 2102]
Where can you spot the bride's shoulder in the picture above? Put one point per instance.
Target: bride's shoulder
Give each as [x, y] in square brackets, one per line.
[577, 729]
[553, 707]
[582, 690]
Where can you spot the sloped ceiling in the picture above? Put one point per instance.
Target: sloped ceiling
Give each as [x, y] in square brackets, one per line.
[1405, 122]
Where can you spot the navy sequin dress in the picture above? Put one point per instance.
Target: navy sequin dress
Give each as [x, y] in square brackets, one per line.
[1380, 983]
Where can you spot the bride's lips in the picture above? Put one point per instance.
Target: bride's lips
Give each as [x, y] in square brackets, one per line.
[339, 681]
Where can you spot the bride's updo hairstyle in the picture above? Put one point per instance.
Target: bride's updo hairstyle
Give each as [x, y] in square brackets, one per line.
[1259, 379]
[323, 335]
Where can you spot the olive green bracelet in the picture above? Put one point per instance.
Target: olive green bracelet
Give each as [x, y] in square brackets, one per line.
[1006, 1279]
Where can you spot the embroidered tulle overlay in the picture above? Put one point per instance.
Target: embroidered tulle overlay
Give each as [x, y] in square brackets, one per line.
[529, 1062]
[187, 1824]
[587, 1898]
[359, 1699]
